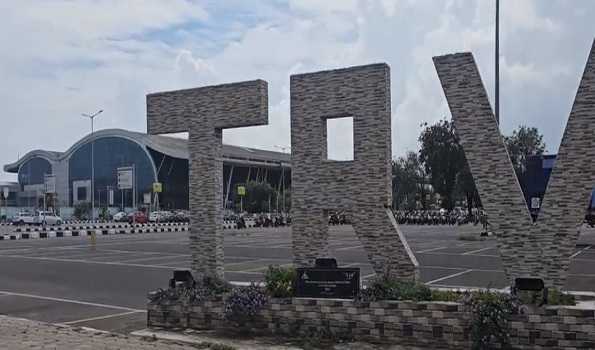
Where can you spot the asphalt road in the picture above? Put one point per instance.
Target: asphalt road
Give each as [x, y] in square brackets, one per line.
[104, 286]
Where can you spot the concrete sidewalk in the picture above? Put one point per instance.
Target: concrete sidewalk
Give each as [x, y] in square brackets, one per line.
[21, 334]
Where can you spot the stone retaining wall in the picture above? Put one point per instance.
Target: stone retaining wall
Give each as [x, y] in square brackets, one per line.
[437, 325]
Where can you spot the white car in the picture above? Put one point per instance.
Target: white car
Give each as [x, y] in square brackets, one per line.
[47, 218]
[23, 218]
[120, 217]
[160, 216]
[156, 216]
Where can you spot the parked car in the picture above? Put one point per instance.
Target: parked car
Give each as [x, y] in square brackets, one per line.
[120, 217]
[181, 216]
[47, 218]
[137, 217]
[23, 218]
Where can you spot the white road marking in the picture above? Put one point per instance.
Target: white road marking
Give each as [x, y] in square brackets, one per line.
[104, 317]
[449, 276]
[89, 262]
[458, 254]
[71, 301]
[351, 264]
[262, 268]
[579, 252]
[368, 276]
[150, 258]
[477, 251]
[459, 268]
[349, 248]
[86, 255]
[431, 250]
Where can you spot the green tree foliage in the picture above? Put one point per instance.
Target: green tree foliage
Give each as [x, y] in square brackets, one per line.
[443, 159]
[82, 211]
[257, 197]
[409, 180]
[523, 142]
[466, 187]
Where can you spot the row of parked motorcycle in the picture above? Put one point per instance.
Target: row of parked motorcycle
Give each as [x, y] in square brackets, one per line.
[440, 217]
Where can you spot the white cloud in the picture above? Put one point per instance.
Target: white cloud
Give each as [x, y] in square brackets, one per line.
[61, 58]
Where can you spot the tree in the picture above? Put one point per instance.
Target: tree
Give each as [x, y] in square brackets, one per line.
[523, 142]
[445, 163]
[409, 180]
[466, 187]
[258, 195]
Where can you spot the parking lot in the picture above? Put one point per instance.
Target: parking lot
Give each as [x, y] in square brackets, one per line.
[104, 285]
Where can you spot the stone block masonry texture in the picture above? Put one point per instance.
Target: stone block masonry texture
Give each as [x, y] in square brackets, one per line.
[361, 187]
[528, 250]
[204, 112]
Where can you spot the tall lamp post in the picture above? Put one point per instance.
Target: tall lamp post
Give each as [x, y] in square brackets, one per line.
[497, 62]
[283, 149]
[92, 117]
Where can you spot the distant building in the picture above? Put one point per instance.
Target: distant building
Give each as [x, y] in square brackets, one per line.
[154, 158]
[535, 179]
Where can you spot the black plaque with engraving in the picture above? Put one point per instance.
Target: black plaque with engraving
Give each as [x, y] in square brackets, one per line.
[339, 283]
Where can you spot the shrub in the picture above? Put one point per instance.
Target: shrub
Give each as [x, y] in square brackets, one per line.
[447, 295]
[555, 297]
[244, 303]
[490, 318]
[386, 287]
[207, 288]
[280, 281]
[204, 289]
[82, 211]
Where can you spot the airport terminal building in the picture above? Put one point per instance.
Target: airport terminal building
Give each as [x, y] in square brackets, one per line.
[155, 159]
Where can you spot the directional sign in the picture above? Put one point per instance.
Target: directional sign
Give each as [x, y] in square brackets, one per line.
[50, 183]
[157, 187]
[241, 191]
[125, 178]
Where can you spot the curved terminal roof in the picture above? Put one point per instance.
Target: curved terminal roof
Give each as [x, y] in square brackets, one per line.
[173, 147]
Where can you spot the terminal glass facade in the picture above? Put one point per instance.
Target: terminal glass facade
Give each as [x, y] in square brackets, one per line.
[173, 175]
[33, 171]
[110, 153]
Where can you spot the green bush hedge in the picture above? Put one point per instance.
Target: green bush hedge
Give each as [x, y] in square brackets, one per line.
[280, 281]
[387, 288]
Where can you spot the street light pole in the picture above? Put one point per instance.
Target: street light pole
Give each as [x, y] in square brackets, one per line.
[497, 59]
[92, 117]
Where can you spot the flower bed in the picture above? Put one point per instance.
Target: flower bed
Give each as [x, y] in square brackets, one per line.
[441, 325]
[463, 320]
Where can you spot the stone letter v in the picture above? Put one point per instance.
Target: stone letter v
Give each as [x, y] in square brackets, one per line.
[544, 249]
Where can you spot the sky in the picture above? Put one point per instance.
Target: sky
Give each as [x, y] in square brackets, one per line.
[61, 58]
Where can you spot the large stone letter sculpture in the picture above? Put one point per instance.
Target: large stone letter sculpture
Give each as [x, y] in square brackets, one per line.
[543, 249]
[204, 112]
[362, 187]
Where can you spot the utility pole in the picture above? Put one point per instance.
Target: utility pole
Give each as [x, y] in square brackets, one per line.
[92, 117]
[283, 149]
[497, 59]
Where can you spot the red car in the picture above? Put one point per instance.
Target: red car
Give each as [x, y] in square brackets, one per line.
[137, 217]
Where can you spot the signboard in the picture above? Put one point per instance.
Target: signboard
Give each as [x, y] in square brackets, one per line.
[125, 178]
[535, 203]
[339, 283]
[6, 192]
[157, 187]
[110, 197]
[241, 191]
[146, 198]
[50, 183]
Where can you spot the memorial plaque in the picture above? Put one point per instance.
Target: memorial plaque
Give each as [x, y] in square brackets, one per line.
[340, 283]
